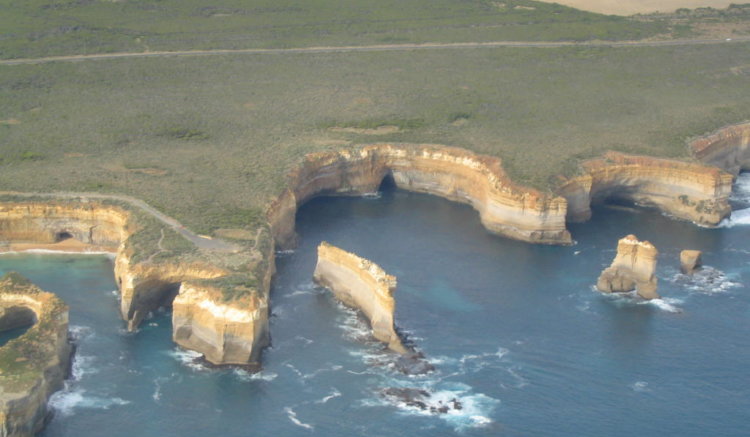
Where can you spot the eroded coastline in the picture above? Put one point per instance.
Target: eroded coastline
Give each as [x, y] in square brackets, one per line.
[220, 298]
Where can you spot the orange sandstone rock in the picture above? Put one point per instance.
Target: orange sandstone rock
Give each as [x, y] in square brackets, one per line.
[633, 268]
[361, 284]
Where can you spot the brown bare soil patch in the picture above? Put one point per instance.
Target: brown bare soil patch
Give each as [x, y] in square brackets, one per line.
[10, 121]
[150, 171]
[631, 7]
[235, 234]
[380, 130]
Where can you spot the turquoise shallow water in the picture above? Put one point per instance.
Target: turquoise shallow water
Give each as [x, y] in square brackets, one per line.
[515, 331]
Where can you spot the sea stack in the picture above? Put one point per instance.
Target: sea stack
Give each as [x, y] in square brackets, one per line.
[690, 261]
[33, 365]
[363, 285]
[633, 268]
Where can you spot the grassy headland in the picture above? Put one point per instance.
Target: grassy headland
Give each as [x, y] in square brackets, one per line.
[209, 140]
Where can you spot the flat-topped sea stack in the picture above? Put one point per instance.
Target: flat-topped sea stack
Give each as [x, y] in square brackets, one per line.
[690, 261]
[504, 207]
[633, 268]
[363, 285]
[33, 365]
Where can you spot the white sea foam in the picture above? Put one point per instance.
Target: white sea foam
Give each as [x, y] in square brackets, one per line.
[188, 358]
[334, 394]
[668, 304]
[244, 375]
[80, 333]
[67, 401]
[83, 365]
[157, 391]
[301, 292]
[706, 280]
[740, 193]
[373, 196]
[293, 417]
[474, 412]
[285, 252]
[640, 386]
[521, 382]
[738, 218]
[665, 304]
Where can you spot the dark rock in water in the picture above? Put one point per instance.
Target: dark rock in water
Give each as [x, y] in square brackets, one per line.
[414, 364]
[421, 399]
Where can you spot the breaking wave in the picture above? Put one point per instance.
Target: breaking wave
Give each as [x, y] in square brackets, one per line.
[188, 358]
[293, 417]
[706, 280]
[452, 402]
[66, 402]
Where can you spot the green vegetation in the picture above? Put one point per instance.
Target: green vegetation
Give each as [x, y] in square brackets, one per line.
[540, 110]
[210, 140]
[23, 359]
[58, 27]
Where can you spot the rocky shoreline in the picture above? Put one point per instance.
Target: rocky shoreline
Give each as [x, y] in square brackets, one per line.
[220, 297]
[34, 365]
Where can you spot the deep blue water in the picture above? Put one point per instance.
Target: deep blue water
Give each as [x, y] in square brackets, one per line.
[515, 332]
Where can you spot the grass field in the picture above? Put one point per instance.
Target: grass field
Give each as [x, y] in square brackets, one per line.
[209, 140]
[42, 27]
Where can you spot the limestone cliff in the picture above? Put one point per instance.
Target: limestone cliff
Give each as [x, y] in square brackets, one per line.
[47, 222]
[361, 284]
[690, 261]
[685, 190]
[150, 273]
[728, 148]
[33, 365]
[633, 268]
[455, 174]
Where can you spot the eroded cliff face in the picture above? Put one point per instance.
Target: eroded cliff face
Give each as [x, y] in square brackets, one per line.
[688, 191]
[690, 261]
[361, 284]
[728, 148]
[89, 222]
[34, 365]
[505, 208]
[634, 268]
[205, 318]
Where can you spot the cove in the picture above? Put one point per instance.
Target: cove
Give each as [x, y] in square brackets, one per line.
[514, 330]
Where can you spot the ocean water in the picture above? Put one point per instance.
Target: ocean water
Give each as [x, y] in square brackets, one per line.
[518, 337]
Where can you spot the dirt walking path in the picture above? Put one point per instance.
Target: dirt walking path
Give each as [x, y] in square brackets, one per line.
[375, 48]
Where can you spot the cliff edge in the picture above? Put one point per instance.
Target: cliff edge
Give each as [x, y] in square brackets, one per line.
[156, 266]
[361, 284]
[34, 365]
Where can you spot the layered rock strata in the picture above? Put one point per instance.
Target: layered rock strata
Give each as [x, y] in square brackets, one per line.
[34, 365]
[690, 261]
[217, 286]
[728, 148]
[505, 208]
[685, 190]
[633, 268]
[363, 285]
